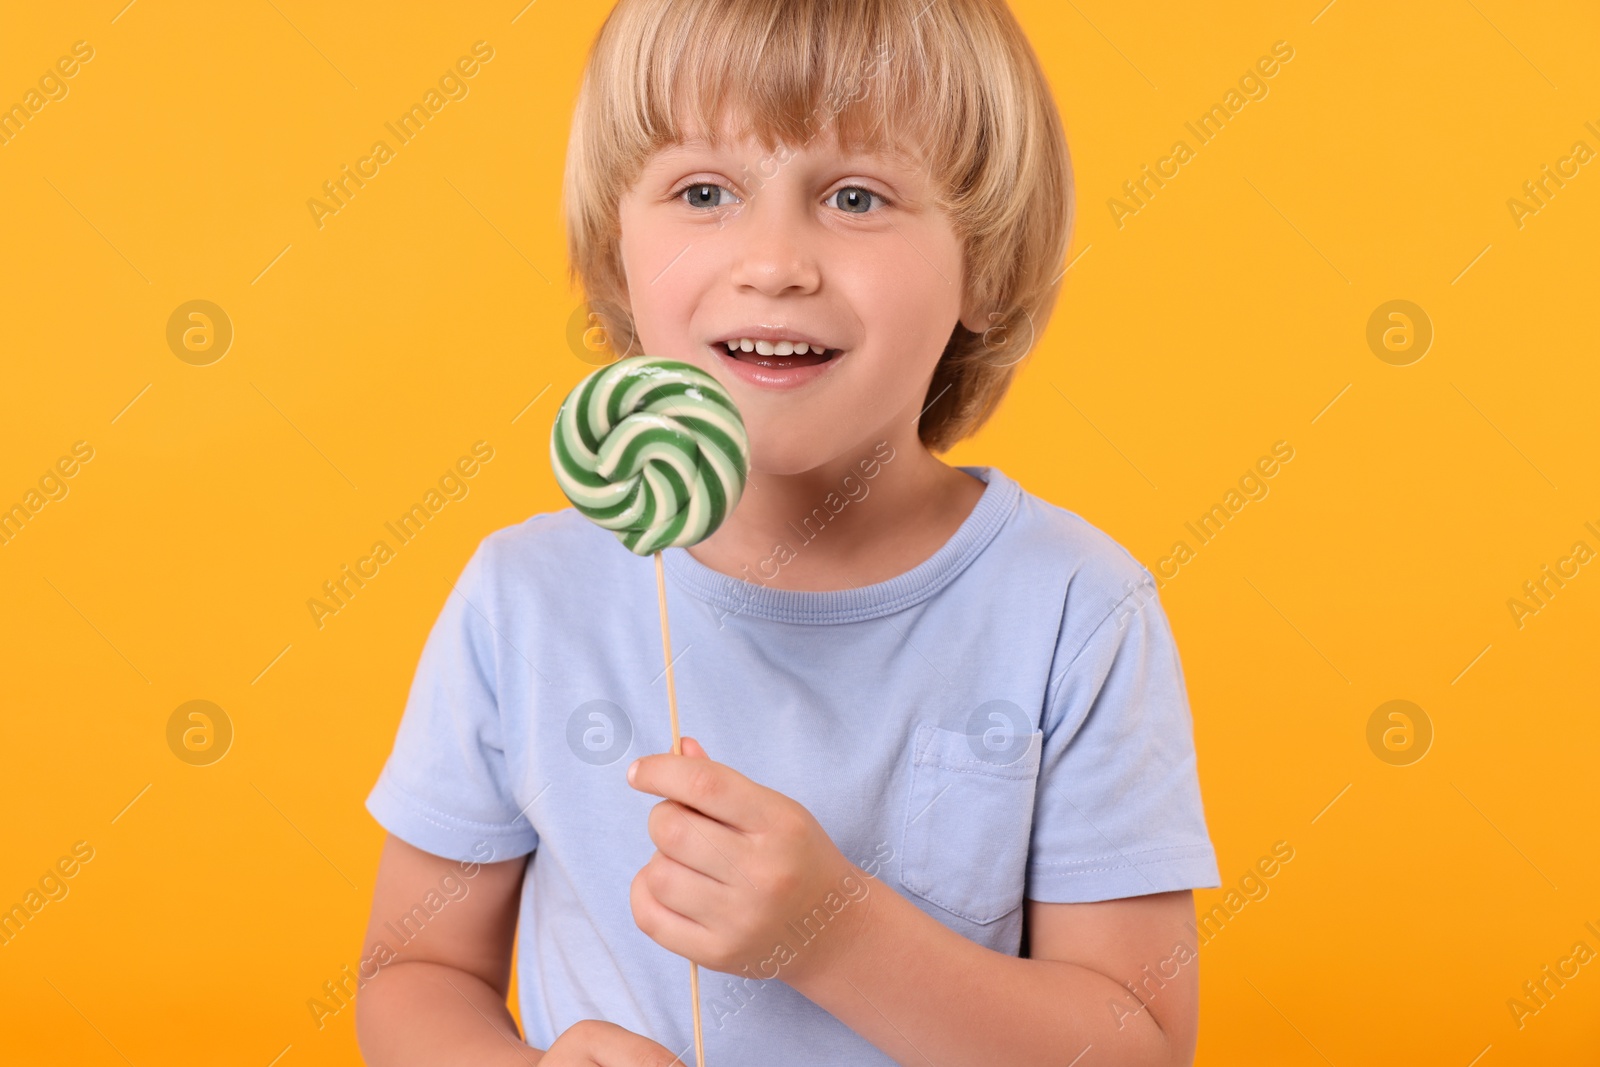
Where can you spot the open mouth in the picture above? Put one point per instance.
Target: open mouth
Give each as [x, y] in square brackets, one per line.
[781, 355]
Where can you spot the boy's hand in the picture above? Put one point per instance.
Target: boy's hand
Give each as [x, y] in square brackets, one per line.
[592, 1043]
[735, 863]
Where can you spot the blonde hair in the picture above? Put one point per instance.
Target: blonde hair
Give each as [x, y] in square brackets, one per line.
[953, 81]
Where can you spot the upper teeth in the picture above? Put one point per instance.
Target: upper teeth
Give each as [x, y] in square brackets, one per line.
[770, 348]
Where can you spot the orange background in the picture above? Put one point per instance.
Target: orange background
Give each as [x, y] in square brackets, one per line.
[1229, 313]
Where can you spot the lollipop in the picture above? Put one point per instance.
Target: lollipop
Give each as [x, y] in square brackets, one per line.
[654, 451]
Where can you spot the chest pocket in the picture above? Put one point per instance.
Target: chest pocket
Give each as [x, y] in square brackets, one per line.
[964, 847]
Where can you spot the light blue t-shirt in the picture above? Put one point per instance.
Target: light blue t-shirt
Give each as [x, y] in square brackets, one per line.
[1006, 720]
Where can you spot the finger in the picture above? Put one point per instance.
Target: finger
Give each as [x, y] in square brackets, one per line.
[697, 842]
[609, 1045]
[684, 890]
[709, 787]
[693, 748]
[673, 931]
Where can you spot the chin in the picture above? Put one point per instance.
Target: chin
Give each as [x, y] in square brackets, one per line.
[784, 455]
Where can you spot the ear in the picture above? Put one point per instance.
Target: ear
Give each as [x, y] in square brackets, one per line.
[973, 317]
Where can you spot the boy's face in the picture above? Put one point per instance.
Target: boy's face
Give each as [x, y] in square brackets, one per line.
[845, 249]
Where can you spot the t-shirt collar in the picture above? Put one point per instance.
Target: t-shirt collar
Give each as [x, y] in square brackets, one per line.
[737, 596]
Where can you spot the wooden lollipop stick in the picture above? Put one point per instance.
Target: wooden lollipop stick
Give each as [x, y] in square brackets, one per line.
[666, 648]
[677, 750]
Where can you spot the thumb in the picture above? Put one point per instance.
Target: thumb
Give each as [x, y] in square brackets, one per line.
[691, 747]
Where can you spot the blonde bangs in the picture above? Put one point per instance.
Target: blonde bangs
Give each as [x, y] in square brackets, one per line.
[951, 85]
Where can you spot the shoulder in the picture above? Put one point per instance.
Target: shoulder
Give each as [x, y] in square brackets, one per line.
[1095, 572]
[541, 535]
[1111, 613]
[543, 553]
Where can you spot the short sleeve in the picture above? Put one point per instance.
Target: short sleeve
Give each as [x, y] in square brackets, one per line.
[1117, 812]
[446, 788]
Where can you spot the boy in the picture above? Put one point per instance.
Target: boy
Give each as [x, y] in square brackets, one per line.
[940, 804]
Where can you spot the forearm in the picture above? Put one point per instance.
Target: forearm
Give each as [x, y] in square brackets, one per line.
[923, 993]
[418, 1013]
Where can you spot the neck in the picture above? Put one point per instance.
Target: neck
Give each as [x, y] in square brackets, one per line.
[868, 515]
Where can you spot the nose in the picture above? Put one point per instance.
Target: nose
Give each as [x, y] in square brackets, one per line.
[772, 249]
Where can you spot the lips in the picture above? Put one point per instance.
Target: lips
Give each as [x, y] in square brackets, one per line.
[774, 371]
[774, 355]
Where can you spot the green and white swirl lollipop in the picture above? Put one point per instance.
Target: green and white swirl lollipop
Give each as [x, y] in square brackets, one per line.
[653, 450]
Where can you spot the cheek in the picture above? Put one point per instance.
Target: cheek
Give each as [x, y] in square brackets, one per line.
[635, 249]
[908, 296]
[662, 280]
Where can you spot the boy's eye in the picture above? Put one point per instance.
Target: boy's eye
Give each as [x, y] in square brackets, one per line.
[855, 200]
[705, 195]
